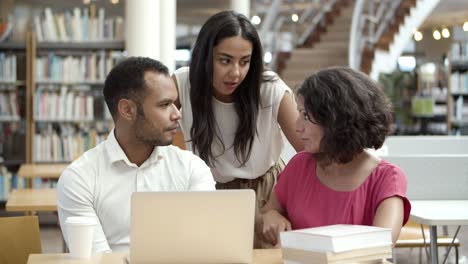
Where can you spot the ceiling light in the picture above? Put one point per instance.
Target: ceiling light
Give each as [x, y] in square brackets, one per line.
[418, 36]
[465, 26]
[436, 34]
[114, 2]
[256, 20]
[294, 17]
[445, 33]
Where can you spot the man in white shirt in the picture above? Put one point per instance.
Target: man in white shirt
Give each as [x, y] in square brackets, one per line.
[137, 155]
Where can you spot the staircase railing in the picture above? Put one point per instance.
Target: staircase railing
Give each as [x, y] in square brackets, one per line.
[370, 20]
[270, 31]
[318, 17]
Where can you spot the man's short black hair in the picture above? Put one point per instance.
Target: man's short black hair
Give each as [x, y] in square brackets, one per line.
[126, 80]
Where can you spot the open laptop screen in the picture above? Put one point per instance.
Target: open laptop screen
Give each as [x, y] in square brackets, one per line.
[192, 227]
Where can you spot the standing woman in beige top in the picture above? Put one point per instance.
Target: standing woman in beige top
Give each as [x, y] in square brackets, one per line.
[233, 111]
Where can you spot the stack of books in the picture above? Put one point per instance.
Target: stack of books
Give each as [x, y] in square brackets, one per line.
[337, 244]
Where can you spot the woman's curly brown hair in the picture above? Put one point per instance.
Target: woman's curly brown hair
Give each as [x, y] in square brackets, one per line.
[352, 110]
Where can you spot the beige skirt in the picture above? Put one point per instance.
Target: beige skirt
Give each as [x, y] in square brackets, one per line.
[263, 187]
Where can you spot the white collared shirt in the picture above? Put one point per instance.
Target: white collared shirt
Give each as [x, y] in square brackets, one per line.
[100, 183]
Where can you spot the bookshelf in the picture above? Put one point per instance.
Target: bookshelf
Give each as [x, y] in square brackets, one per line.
[458, 70]
[71, 50]
[12, 114]
[430, 107]
[51, 103]
[69, 115]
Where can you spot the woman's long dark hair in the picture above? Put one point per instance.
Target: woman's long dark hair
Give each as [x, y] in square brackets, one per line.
[246, 97]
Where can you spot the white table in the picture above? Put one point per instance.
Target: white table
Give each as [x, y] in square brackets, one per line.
[437, 213]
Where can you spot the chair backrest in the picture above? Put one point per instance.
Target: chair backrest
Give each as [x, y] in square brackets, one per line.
[20, 237]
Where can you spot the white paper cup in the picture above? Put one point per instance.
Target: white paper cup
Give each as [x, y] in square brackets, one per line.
[80, 231]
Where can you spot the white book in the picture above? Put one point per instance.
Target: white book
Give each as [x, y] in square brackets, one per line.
[68, 25]
[13, 68]
[48, 147]
[364, 255]
[89, 107]
[336, 238]
[62, 102]
[76, 25]
[62, 27]
[84, 24]
[100, 30]
[38, 28]
[50, 24]
[69, 106]
[101, 62]
[77, 107]
[92, 30]
[455, 51]
[37, 147]
[459, 108]
[119, 28]
[14, 105]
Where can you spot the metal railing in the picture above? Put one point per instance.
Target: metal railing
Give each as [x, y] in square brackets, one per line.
[312, 16]
[371, 18]
[318, 17]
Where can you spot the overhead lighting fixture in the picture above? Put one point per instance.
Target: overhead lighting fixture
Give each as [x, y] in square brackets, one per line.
[256, 20]
[294, 17]
[445, 33]
[436, 34]
[114, 1]
[418, 36]
[86, 2]
[465, 26]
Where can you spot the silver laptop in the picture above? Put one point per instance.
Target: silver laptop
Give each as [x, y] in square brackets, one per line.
[192, 227]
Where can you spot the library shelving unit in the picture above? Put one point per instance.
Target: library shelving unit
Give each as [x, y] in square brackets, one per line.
[59, 92]
[12, 105]
[66, 113]
[431, 105]
[13, 123]
[69, 115]
[458, 82]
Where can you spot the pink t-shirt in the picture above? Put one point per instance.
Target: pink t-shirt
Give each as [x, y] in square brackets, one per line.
[309, 203]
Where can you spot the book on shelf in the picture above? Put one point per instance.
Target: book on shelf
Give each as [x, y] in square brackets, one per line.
[11, 136]
[459, 82]
[7, 67]
[91, 68]
[336, 238]
[9, 108]
[74, 104]
[78, 25]
[8, 182]
[363, 255]
[66, 142]
[5, 183]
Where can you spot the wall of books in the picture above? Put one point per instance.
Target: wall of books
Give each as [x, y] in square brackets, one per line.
[54, 57]
[69, 112]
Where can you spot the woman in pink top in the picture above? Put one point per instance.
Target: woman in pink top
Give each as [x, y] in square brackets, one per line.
[335, 181]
